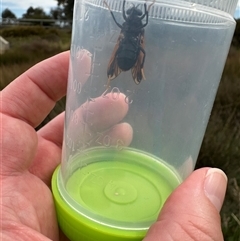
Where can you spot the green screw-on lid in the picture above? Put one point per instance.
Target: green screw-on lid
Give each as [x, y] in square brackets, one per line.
[115, 197]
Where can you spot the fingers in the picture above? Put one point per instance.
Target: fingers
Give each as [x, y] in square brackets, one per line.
[191, 213]
[47, 158]
[100, 128]
[88, 124]
[33, 94]
[104, 111]
[53, 130]
[49, 150]
[119, 135]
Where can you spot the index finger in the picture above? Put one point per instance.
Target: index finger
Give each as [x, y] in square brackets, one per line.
[33, 94]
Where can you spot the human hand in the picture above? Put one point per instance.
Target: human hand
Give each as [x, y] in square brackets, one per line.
[191, 213]
[29, 159]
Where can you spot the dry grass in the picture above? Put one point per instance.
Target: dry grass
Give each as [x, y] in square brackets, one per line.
[34, 45]
[29, 46]
[221, 145]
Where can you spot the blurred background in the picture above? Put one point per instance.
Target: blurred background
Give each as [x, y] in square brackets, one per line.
[31, 32]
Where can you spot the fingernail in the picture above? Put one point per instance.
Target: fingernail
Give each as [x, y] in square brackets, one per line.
[215, 186]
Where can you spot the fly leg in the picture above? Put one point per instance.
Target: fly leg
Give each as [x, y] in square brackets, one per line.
[118, 24]
[123, 11]
[146, 12]
[150, 4]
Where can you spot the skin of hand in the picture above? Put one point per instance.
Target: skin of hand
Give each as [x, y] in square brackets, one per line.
[28, 159]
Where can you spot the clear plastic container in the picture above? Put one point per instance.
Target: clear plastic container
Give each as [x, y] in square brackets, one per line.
[223, 5]
[128, 145]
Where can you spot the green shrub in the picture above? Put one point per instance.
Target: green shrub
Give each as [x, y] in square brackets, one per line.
[27, 31]
[17, 57]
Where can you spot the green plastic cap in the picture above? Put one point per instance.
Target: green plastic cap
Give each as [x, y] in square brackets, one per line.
[114, 196]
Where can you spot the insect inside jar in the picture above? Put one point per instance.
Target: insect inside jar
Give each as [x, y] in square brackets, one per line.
[129, 50]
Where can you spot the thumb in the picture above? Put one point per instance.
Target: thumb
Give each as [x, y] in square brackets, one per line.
[191, 213]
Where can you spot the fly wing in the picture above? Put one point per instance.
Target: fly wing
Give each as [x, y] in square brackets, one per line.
[137, 70]
[113, 70]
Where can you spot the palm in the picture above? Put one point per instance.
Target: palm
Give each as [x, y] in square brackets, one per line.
[28, 208]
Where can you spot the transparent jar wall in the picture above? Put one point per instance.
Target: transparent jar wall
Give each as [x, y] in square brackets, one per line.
[185, 53]
[228, 6]
[128, 146]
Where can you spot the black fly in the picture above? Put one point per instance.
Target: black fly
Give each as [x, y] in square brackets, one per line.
[129, 51]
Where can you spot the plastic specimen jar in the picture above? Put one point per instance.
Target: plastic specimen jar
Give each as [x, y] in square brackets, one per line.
[142, 81]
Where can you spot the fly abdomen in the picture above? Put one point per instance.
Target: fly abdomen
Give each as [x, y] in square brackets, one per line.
[127, 57]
